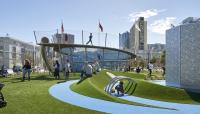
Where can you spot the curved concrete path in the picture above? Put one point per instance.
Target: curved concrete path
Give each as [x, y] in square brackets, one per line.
[62, 92]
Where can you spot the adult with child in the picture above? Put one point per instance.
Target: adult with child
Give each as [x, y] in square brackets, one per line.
[26, 69]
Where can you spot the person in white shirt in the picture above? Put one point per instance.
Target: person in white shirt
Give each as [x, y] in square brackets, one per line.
[86, 70]
[150, 68]
[67, 70]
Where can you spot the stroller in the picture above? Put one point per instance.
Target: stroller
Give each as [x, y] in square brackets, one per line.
[4, 73]
[2, 101]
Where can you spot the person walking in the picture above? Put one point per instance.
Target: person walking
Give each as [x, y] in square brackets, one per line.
[90, 39]
[150, 68]
[26, 69]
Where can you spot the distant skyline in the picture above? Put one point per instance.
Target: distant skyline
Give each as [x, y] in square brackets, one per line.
[19, 18]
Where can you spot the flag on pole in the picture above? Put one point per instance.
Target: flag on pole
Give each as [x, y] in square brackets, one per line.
[62, 28]
[100, 27]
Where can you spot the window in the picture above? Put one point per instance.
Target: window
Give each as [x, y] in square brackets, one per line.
[14, 52]
[1, 48]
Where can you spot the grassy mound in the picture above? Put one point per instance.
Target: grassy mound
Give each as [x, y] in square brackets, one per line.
[32, 97]
[94, 87]
[153, 91]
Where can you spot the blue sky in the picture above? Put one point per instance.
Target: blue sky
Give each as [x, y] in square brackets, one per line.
[20, 17]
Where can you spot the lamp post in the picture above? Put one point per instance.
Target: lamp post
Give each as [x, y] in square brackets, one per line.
[34, 53]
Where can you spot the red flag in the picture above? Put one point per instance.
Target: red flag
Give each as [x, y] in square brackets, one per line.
[62, 28]
[101, 27]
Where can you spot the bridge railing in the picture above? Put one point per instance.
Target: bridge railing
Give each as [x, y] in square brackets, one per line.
[79, 37]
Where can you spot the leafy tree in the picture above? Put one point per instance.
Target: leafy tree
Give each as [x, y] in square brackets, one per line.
[162, 59]
[153, 60]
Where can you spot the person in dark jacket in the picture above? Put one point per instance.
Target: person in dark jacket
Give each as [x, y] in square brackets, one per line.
[57, 70]
[120, 88]
[26, 69]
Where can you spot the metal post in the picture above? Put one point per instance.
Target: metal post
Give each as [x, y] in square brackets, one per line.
[86, 54]
[103, 59]
[105, 39]
[82, 38]
[118, 60]
[35, 36]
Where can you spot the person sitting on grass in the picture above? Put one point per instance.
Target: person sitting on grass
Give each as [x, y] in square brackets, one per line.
[86, 70]
[26, 69]
[120, 88]
[138, 69]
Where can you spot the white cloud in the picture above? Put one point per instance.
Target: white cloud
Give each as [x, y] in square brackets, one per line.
[160, 26]
[146, 14]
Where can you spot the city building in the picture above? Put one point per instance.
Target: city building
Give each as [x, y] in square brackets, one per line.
[64, 38]
[124, 40]
[138, 37]
[156, 50]
[182, 55]
[14, 52]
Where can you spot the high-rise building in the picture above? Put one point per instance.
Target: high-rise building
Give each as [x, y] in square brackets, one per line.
[156, 50]
[138, 37]
[124, 40]
[182, 55]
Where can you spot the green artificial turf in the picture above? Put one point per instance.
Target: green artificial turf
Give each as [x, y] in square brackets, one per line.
[150, 90]
[94, 87]
[32, 97]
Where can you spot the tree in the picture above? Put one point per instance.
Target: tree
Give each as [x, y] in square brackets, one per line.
[153, 60]
[162, 58]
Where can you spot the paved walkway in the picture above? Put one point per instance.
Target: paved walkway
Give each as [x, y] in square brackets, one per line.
[62, 92]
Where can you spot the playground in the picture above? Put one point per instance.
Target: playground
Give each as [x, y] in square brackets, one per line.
[44, 94]
[113, 89]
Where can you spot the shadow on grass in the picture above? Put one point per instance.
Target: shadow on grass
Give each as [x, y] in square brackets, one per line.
[194, 96]
[43, 77]
[84, 78]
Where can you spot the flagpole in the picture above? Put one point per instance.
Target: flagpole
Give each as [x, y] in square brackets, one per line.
[82, 37]
[105, 39]
[98, 35]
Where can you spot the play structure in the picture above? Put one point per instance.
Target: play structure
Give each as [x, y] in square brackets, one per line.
[64, 47]
[128, 89]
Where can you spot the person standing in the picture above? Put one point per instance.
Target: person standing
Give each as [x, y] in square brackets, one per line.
[90, 39]
[57, 70]
[67, 70]
[26, 69]
[150, 68]
[163, 68]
